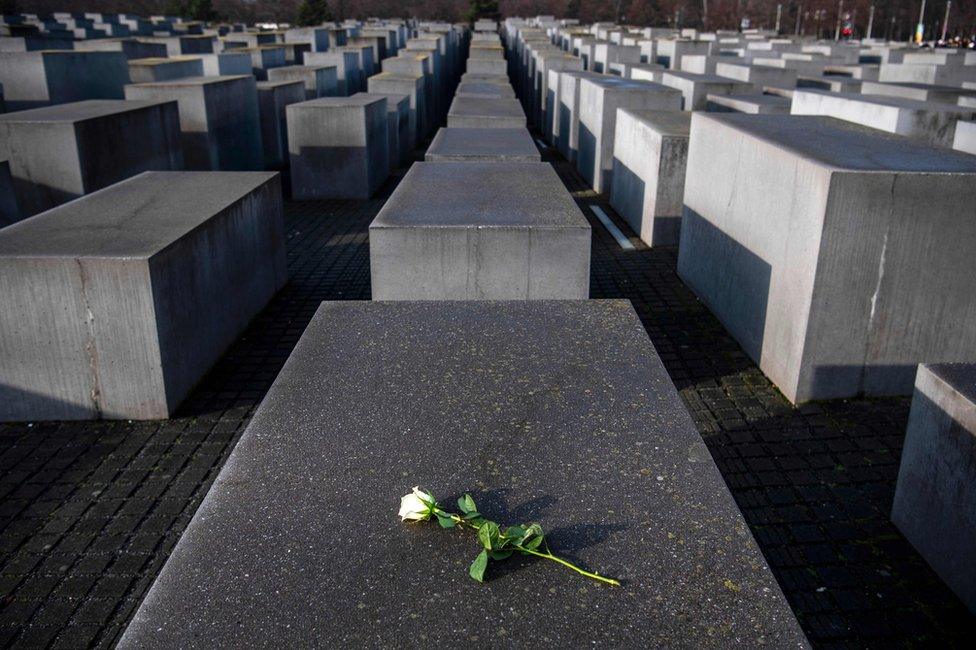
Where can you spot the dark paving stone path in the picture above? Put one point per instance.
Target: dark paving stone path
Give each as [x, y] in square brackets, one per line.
[90, 511]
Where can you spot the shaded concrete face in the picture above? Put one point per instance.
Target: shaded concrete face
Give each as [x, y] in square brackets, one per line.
[338, 147]
[413, 86]
[598, 104]
[397, 127]
[751, 104]
[9, 208]
[480, 230]
[927, 122]
[219, 120]
[282, 502]
[695, 88]
[649, 155]
[792, 226]
[123, 326]
[34, 79]
[225, 63]
[935, 499]
[59, 153]
[466, 145]
[569, 85]
[273, 97]
[965, 137]
[349, 76]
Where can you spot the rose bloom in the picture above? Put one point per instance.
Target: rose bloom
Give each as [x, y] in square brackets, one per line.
[416, 506]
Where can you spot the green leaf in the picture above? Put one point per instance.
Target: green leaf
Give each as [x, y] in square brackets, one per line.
[500, 555]
[488, 535]
[477, 568]
[445, 522]
[533, 543]
[472, 515]
[514, 532]
[466, 504]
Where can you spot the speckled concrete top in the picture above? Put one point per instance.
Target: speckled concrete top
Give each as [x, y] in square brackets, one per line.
[134, 218]
[846, 145]
[466, 144]
[961, 376]
[90, 109]
[482, 195]
[556, 412]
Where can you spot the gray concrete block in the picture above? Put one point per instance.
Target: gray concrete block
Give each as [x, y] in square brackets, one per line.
[9, 208]
[163, 69]
[923, 121]
[598, 104]
[397, 127]
[568, 121]
[115, 305]
[132, 48]
[480, 230]
[486, 66]
[835, 254]
[365, 62]
[58, 153]
[485, 112]
[752, 104]
[413, 86]
[34, 79]
[273, 97]
[403, 387]
[833, 83]
[264, 58]
[219, 120]
[319, 80]
[346, 64]
[757, 75]
[917, 92]
[225, 64]
[338, 147]
[695, 88]
[485, 89]
[184, 44]
[649, 155]
[935, 498]
[495, 145]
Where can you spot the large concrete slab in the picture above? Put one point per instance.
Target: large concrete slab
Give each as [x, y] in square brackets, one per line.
[599, 101]
[58, 153]
[923, 121]
[115, 305]
[480, 230]
[837, 255]
[162, 68]
[9, 208]
[568, 121]
[349, 76]
[935, 498]
[397, 128]
[219, 120]
[695, 88]
[273, 98]
[965, 137]
[413, 86]
[485, 112]
[466, 145]
[338, 147]
[513, 402]
[319, 80]
[34, 79]
[649, 156]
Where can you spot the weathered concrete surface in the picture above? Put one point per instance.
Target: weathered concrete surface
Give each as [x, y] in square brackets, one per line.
[34, 79]
[935, 500]
[273, 97]
[116, 304]
[485, 112]
[319, 80]
[649, 156]
[598, 104]
[219, 120]
[757, 75]
[838, 256]
[466, 145]
[917, 92]
[397, 127]
[923, 121]
[447, 385]
[569, 94]
[349, 77]
[225, 63]
[338, 147]
[58, 153]
[480, 230]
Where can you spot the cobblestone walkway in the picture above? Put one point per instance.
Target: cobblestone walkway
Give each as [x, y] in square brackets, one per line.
[90, 511]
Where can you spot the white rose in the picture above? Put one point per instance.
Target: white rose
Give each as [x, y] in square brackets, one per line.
[416, 506]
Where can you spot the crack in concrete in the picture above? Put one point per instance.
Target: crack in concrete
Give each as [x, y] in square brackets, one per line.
[90, 348]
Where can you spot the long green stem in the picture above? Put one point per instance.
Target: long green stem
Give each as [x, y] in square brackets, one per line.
[548, 556]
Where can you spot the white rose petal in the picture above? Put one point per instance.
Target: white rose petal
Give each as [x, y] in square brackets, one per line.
[416, 506]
